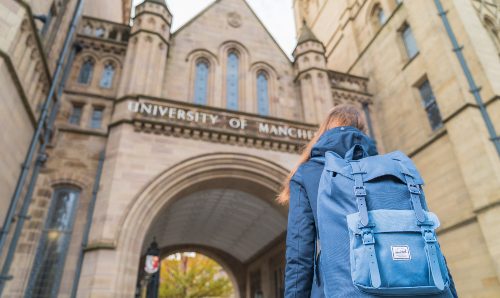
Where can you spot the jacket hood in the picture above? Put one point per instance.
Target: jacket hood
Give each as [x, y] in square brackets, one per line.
[341, 139]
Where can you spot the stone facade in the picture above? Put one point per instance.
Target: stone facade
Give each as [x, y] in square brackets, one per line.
[458, 160]
[203, 177]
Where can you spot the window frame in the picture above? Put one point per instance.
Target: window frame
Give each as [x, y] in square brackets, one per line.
[197, 80]
[41, 249]
[75, 105]
[233, 103]
[86, 60]
[402, 35]
[96, 108]
[103, 75]
[429, 102]
[259, 100]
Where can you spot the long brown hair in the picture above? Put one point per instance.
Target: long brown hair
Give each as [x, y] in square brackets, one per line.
[341, 115]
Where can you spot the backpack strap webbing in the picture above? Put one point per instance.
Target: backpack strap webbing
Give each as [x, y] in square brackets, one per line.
[414, 189]
[366, 227]
[426, 226]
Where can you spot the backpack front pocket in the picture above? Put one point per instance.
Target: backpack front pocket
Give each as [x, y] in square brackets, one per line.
[390, 256]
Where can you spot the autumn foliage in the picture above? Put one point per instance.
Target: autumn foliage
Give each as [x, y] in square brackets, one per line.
[191, 275]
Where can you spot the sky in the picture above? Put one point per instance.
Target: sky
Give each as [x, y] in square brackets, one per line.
[277, 16]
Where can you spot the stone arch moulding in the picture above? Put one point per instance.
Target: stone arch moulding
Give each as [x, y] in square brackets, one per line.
[244, 63]
[110, 58]
[213, 62]
[150, 201]
[370, 11]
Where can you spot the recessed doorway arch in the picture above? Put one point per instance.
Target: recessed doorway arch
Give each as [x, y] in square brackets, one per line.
[198, 178]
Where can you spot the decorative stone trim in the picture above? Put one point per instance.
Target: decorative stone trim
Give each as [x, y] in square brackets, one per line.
[98, 245]
[212, 135]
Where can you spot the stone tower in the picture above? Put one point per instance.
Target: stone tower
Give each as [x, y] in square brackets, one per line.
[312, 75]
[147, 50]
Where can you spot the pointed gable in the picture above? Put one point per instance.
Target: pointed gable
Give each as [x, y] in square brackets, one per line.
[225, 27]
[237, 15]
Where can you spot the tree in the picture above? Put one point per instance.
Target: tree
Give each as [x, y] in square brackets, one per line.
[190, 275]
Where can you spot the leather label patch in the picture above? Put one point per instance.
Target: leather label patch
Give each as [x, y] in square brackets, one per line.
[401, 252]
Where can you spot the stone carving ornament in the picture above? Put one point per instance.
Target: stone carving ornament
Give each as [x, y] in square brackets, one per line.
[234, 19]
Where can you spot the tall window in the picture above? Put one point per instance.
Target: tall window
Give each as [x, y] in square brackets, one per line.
[107, 76]
[201, 82]
[379, 13]
[409, 41]
[232, 82]
[430, 105]
[85, 75]
[262, 94]
[96, 120]
[76, 114]
[54, 242]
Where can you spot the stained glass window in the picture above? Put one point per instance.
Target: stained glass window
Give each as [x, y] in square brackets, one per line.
[201, 83]
[86, 71]
[232, 81]
[430, 105]
[262, 94]
[107, 76]
[54, 242]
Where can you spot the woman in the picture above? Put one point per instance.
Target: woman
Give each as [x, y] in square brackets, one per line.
[342, 129]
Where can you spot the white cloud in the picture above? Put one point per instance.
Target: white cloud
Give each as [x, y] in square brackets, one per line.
[277, 16]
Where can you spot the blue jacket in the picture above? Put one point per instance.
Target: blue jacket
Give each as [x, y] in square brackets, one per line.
[302, 273]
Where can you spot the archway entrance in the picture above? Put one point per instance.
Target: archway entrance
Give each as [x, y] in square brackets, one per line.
[220, 205]
[192, 274]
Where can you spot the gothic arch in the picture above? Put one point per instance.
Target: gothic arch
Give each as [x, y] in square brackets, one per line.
[171, 184]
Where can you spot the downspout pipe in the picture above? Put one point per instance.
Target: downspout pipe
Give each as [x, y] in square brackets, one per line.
[39, 127]
[88, 225]
[41, 158]
[474, 89]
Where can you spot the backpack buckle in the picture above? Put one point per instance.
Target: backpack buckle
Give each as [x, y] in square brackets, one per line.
[368, 238]
[429, 236]
[414, 189]
[359, 191]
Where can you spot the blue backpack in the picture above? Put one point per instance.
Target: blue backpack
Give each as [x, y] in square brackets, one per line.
[393, 249]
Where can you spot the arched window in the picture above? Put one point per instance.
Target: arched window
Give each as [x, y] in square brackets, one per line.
[232, 81]
[85, 75]
[51, 254]
[107, 76]
[201, 82]
[262, 94]
[379, 14]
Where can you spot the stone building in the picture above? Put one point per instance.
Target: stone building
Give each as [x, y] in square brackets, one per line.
[191, 132]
